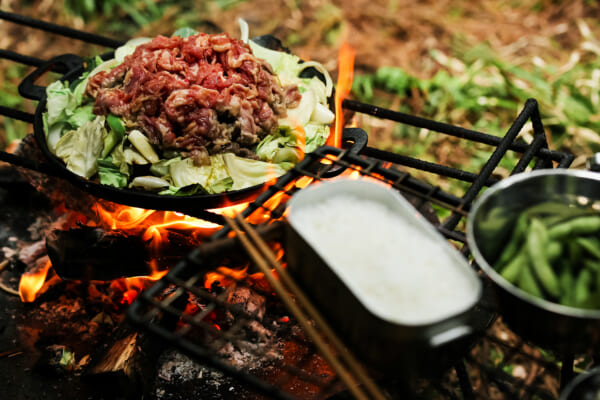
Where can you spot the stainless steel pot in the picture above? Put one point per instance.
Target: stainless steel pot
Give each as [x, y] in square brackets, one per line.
[584, 387]
[564, 329]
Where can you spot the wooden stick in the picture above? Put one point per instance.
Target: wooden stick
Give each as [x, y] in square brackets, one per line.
[8, 290]
[11, 353]
[268, 263]
[353, 364]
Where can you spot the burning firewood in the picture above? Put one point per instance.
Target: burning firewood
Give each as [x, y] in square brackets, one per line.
[91, 253]
[88, 253]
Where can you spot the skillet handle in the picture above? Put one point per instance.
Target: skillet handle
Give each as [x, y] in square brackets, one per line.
[65, 62]
[45, 168]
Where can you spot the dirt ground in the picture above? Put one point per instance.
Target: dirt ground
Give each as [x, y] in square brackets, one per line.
[384, 32]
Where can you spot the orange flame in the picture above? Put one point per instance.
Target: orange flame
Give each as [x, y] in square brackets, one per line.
[225, 276]
[130, 288]
[32, 282]
[342, 90]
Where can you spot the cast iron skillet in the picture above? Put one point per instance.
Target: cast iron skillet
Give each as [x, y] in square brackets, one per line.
[193, 205]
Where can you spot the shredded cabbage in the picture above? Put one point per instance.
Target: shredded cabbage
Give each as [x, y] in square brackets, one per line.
[185, 173]
[246, 172]
[81, 148]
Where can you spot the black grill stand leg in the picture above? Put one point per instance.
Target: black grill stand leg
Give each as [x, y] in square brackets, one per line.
[463, 380]
[566, 371]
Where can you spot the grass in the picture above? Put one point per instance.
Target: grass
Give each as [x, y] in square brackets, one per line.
[482, 91]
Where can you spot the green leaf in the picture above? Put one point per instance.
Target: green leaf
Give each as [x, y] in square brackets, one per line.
[110, 174]
[190, 190]
[246, 172]
[81, 148]
[185, 32]
[221, 186]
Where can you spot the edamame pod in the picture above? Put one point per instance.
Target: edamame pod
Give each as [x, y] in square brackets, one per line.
[512, 269]
[536, 243]
[582, 287]
[582, 225]
[590, 245]
[528, 283]
[567, 286]
[512, 248]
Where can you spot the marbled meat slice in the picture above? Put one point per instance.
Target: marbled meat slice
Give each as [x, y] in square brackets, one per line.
[202, 95]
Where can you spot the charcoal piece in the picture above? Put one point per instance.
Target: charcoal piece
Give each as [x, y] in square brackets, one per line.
[92, 254]
[244, 300]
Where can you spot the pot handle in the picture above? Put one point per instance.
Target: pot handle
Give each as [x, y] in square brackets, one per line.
[357, 139]
[65, 62]
[450, 335]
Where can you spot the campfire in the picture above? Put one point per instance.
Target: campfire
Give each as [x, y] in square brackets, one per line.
[131, 246]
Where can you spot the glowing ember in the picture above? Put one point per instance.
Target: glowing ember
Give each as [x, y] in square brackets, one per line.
[342, 90]
[129, 288]
[32, 282]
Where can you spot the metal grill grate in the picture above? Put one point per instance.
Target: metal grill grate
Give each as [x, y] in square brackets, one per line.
[187, 278]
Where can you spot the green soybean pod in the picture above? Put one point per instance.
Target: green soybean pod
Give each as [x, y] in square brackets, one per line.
[582, 287]
[512, 248]
[590, 245]
[528, 283]
[592, 265]
[512, 269]
[536, 248]
[567, 286]
[575, 252]
[581, 225]
[551, 212]
[554, 250]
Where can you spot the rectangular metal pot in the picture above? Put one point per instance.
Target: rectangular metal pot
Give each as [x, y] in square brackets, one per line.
[389, 347]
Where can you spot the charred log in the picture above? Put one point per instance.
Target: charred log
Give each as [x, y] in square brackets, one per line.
[95, 254]
[92, 254]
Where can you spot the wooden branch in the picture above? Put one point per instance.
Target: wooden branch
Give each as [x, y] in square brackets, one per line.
[119, 359]
[127, 368]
